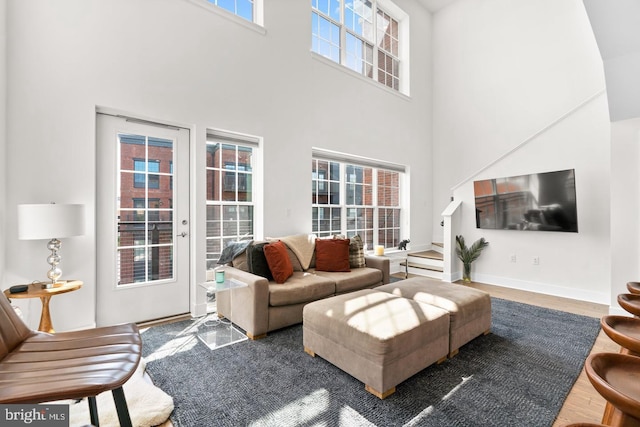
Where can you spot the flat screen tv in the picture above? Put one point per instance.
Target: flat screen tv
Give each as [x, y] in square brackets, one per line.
[540, 201]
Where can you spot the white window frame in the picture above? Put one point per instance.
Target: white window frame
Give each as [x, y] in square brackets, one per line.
[241, 140]
[258, 14]
[391, 9]
[319, 154]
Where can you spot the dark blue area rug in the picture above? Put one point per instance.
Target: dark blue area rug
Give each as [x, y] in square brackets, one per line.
[519, 375]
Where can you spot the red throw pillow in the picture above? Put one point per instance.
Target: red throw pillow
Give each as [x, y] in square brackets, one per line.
[278, 260]
[332, 255]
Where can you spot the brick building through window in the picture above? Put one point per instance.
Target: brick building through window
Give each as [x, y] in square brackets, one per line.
[145, 217]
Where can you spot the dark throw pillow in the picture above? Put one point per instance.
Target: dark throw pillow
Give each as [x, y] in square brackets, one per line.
[257, 261]
[278, 261]
[332, 255]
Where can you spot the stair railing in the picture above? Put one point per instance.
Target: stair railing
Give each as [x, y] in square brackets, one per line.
[451, 224]
[530, 138]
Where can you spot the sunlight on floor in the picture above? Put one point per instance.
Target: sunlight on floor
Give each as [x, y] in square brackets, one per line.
[299, 412]
[185, 340]
[174, 346]
[349, 416]
[456, 388]
[311, 411]
[420, 418]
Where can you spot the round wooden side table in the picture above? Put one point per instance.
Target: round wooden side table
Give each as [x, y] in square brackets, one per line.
[36, 290]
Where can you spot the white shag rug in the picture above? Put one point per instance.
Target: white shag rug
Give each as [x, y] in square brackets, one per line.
[148, 405]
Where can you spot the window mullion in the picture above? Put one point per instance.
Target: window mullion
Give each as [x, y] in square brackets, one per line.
[343, 199]
[374, 23]
[146, 209]
[343, 36]
[237, 173]
[374, 182]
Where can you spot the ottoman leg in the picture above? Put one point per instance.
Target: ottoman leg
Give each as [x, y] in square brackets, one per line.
[310, 352]
[379, 395]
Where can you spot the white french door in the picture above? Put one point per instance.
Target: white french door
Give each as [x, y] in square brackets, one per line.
[142, 220]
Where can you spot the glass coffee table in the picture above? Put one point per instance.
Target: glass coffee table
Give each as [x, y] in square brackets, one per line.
[217, 333]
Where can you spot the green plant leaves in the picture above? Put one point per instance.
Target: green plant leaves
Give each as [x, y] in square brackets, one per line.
[468, 255]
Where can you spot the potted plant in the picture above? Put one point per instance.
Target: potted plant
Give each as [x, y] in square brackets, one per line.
[468, 255]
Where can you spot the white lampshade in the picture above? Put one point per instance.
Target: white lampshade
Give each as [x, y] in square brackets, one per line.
[47, 221]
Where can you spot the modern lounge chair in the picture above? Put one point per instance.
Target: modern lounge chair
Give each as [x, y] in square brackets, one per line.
[38, 367]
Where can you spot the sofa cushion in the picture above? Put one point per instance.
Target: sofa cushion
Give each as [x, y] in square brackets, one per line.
[240, 262]
[332, 255]
[357, 278]
[257, 262]
[295, 262]
[300, 288]
[278, 261]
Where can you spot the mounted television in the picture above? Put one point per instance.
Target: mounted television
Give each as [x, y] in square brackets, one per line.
[540, 201]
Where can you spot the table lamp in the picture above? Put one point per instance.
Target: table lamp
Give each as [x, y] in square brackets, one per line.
[50, 221]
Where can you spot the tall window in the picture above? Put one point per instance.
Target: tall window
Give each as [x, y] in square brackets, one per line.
[389, 208]
[350, 198]
[251, 10]
[361, 35]
[327, 207]
[230, 197]
[145, 221]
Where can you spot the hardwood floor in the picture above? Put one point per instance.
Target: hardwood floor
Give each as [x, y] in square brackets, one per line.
[583, 404]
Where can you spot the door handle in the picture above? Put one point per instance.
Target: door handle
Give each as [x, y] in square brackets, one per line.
[183, 234]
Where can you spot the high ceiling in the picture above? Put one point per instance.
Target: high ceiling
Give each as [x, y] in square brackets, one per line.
[436, 5]
[616, 25]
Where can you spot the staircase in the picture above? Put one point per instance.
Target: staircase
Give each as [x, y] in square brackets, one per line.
[427, 263]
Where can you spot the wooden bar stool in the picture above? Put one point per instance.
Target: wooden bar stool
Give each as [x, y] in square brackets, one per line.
[625, 331]
[617, 378]
[633, 287]
[630, 302]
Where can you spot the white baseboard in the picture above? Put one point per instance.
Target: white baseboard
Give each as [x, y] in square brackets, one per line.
[543, 288]
[618, 311]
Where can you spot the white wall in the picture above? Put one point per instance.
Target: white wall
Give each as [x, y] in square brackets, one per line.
[3, 130]
[503, 71]
[572, 265]
[172, 60]
[617, 28]
[625, 207]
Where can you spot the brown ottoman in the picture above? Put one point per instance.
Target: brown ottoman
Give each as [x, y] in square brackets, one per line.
[469, 309]
[376, 337]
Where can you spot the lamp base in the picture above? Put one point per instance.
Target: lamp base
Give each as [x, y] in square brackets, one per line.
[53, 259]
